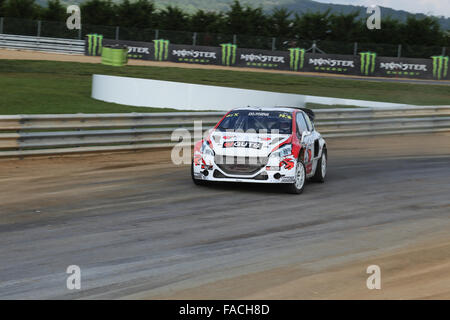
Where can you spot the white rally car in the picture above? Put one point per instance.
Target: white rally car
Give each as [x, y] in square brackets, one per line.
[262, 145]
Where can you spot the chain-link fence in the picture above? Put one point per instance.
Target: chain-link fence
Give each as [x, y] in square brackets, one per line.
[54, 29]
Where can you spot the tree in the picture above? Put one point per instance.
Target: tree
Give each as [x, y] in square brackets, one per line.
[426, 31]
[25, 9]
[248, 20]
[55, 11]
[98, 12]
[312, 26]
[172, 18]
[2, 13]
[139, 14]
[202, 21]
[280, 23]
[344, 27]
[390, 32]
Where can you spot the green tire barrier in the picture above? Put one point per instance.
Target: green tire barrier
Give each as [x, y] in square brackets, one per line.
[115, 55]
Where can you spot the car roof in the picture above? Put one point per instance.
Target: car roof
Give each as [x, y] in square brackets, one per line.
[282, 109]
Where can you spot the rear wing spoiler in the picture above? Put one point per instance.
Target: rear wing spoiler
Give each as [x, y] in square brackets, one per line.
[309, 112]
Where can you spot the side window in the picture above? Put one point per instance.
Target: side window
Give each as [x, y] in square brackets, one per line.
[309, 123]
[301, 124]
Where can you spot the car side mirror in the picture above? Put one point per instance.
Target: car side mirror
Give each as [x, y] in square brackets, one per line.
[305, 134]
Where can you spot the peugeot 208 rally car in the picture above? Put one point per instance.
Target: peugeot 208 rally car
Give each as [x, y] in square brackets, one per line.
[262, 145]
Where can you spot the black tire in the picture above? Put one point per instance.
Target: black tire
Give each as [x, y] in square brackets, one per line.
[292, 187]
[319, 175]
[197, 182]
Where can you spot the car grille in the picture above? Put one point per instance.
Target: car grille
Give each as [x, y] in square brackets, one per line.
[240, 165]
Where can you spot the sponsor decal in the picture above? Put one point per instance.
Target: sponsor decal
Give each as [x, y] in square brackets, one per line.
[161, 49]
[261, 60]
[400, 68]
[258, 114]
[197, 159]
[285, 116]
[228, 54]
[194, 56]
[95, 42]
[368, 63]
[242, 144]
[440, 67]
[138, 52]
[331, 65]
[287, 163]
[296, 58]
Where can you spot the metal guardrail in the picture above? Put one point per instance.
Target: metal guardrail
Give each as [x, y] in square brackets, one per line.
[22, 135]
[42, 44]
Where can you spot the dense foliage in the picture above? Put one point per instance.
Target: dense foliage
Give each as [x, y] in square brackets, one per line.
[239, 19]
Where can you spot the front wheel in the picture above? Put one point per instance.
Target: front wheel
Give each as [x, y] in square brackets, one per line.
[300, 178]
[321, 170]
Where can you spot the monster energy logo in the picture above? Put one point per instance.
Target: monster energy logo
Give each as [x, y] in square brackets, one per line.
[161, 49]
[95, 44]
[297, 58]
[368, 62]
[228, 54]
[440, 67]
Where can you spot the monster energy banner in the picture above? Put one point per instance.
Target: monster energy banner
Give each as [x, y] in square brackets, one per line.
[404, 68]
[440, 67]
[262, 59]
[228, 54]
[94, 45]
[328, 63]
[296, 59]
[198, 54]
[365, 64]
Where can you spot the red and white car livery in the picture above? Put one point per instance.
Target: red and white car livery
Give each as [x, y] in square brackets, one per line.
[262, 145]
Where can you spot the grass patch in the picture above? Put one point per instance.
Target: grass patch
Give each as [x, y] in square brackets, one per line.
[36, 87]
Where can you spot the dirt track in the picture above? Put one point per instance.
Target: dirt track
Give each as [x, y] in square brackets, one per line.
[138, 228]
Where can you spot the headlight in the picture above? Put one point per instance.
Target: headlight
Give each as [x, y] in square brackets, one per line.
[284, 151]
[206, 149]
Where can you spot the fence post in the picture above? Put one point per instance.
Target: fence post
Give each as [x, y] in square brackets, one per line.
[156, 34]
[274, 41]
[443, 48]
[1, 24]
[399, 52]
[117, 33]
[194, 39]
[355, 49]
[39, 28]
[234, 39]
[314, 46]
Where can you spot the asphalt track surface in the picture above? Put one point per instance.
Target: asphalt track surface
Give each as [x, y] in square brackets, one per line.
[138, 227]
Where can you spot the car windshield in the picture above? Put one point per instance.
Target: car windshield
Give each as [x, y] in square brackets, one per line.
[257, 121]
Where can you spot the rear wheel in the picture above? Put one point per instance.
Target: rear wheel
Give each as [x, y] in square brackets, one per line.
[300, 178]
[321, 170]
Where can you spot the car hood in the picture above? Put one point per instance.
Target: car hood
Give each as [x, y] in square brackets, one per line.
[245, 144]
